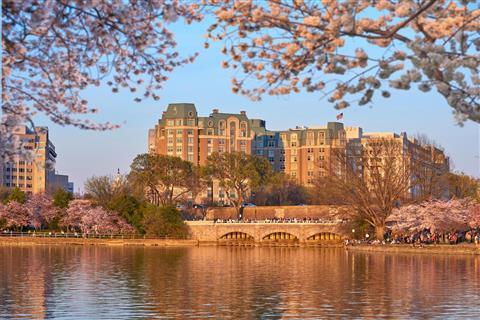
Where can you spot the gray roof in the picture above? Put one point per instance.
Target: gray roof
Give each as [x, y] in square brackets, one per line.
[180, 110]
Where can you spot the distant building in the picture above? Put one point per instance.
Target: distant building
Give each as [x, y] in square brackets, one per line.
[182, 133]
[33, 171]
[303, 153]
[426, 162]
[71, 187]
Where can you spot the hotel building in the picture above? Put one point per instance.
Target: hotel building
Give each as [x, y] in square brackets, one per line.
[302, 153]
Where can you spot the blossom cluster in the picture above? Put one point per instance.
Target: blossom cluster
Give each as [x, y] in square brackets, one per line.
[283, 46]
[38, 212]
[436, 215]
[53, 50]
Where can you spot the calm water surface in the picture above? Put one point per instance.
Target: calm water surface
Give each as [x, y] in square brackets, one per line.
[233, 283]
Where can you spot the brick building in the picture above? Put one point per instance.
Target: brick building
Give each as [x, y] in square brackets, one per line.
[302, 153]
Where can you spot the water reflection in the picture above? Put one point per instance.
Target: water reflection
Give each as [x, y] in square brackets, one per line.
[236, 283]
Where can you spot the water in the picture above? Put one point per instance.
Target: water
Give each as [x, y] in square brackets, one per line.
[86, 282]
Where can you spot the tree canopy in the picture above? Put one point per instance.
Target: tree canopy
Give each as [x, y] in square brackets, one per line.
[165, 179]
[348, 51]
[238, 173]
[53, 50]
[353, 51]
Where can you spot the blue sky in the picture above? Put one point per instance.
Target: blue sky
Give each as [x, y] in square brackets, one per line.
[82, 154]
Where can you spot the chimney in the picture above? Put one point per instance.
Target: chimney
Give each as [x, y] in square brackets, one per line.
[243, 113]
[215, 110]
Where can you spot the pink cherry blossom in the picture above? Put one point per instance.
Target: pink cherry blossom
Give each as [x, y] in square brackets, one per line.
[83, 216]
[53, 50]
[431, 44]
[437, 215]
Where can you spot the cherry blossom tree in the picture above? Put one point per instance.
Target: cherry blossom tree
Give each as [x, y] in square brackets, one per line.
[353, 50]
[53, 50]
[436, 215]
[83, 216]
[14, 215]
[41, 210]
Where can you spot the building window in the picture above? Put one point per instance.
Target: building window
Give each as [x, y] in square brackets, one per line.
[190, 132]
[190, 157]
[179, 132]
[191, 122]
[210, 132]
[209, 141]
[179, 150]
[190, 140]
[170, 132]
[243, 129]
[190, 149]
[221, 141]
[179, 140]
[294, 143]
[170, 140]
[178, 122]
[170, 123]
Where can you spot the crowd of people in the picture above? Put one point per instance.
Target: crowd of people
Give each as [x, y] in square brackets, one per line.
[426, 236]
[281, 220]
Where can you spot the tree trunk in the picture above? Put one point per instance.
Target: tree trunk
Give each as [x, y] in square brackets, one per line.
[379, 231]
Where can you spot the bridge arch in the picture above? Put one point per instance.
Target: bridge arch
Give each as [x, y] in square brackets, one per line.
[279, 236]
[237, 235]
[324, 237]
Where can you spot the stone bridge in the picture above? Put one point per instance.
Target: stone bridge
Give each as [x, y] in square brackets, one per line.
[208, 231]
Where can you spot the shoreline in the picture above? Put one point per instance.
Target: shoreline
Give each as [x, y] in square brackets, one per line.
[459, 249]
[22, 241]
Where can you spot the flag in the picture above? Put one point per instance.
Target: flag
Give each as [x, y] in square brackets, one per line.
[340, 116]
